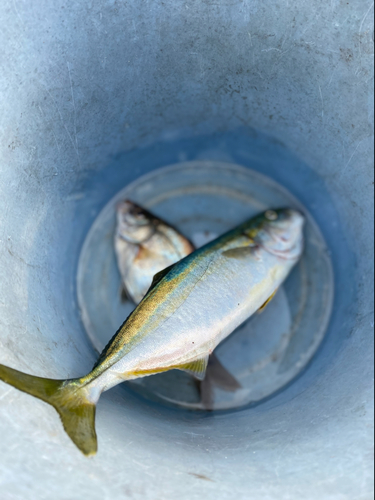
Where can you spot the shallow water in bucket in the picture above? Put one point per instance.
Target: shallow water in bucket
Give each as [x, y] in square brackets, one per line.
[203, 200]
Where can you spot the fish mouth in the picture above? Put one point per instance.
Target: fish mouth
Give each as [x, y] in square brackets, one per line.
[295, 221]
[127, 206]
[138, 241]
[135, 225]
[290, 253]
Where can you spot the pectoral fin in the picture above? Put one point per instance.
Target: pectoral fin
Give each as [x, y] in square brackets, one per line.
[196, 368]
[243, 252]
[262, 308]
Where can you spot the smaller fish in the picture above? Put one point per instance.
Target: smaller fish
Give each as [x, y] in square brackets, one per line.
[145, 245]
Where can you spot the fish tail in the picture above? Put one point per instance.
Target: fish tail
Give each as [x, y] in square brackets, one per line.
[68, 397]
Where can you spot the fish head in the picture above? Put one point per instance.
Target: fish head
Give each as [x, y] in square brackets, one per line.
[134, 223]
[280, 232]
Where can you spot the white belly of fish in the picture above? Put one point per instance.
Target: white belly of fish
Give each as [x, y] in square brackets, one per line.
[228, 292]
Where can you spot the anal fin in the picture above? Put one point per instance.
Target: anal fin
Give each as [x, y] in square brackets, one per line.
[196, 368]
[262, 308]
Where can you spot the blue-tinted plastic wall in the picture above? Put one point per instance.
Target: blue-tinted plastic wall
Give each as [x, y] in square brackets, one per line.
[95, 93]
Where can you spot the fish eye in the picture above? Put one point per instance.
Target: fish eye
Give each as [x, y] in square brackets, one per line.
[271, 215]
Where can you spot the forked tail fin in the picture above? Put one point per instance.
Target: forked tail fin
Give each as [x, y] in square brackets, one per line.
[68, 397]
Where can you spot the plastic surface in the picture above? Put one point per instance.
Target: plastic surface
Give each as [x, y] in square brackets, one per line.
[95, 94]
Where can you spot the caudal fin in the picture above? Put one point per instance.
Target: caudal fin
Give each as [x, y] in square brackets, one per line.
[68, 397]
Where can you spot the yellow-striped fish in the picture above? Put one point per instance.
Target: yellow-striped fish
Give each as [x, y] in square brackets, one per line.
[189, 309]
[145, 245]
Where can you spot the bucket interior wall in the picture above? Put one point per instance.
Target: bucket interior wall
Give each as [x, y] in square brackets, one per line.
[95, 94]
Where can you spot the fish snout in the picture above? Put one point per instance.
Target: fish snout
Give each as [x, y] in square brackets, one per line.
[124, 206]
[292, 235]
[283, 232]
[295, 216]
[294, 220]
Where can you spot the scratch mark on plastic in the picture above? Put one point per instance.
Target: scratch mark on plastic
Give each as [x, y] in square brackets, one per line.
[321, 98]
[64, 125]
[360, 31]
[350, 159]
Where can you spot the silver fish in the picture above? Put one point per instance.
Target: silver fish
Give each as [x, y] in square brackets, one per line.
[190, 308]
[144, 245]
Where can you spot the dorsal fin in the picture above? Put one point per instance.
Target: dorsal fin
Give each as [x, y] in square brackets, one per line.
[159, 276]
[197, 368]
